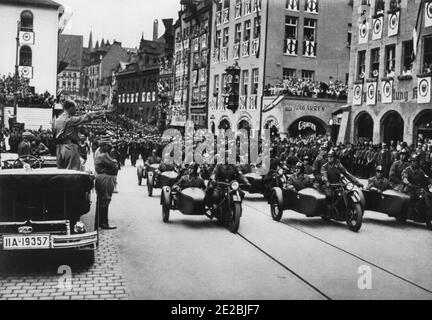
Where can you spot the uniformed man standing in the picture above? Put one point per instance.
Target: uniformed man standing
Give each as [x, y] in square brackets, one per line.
[106, 172]
[66, 134]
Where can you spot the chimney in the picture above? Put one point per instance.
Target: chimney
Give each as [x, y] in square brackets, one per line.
[155, 29]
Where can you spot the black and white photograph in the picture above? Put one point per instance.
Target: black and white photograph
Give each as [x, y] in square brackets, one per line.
[215, 155]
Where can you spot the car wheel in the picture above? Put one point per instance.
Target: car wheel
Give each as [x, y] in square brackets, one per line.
[355, 217]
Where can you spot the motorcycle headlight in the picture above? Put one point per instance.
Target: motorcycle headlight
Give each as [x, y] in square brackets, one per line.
[350, 186]
[79, 227]
[280, 172]
[235, 185]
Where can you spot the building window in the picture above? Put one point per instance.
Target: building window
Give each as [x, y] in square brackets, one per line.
[216, 85]
[237, 38]
[289, 73]
[308, 75]
[292, 5]
[224, 82]
[379, 7]
[309, 30]
[245, 82]
[311, 6]
[390, 60]
[247, 7]
[407, 53]
[247, 30]
[25, 56]
[257, 27]
[255, 79]
[238, 8]
[225, 37]
[26, 23]
[427, 55]
[361, 65]
[375, 61]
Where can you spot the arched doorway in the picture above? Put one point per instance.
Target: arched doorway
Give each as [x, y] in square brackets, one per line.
[364, 127]
[307, 126]
[244, 124]
[423, 126]
[224, 124]
[273, 126]
[392, 127]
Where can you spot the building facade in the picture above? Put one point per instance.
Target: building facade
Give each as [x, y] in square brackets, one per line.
[390, 79]
[70, 53]
[138, 83]
[273, 46]
[35, 54]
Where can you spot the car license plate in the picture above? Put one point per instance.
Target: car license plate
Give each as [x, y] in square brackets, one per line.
[26, 242]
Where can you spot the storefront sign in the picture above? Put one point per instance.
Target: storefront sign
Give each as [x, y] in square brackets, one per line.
[310, 108]
[304, 125]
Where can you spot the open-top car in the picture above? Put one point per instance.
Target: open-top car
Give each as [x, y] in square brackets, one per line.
[11, 161]
[47, 209]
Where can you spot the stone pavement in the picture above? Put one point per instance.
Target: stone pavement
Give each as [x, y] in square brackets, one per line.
[26, 277]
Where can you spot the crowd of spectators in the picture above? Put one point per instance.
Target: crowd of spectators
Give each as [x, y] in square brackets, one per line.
[308, 88]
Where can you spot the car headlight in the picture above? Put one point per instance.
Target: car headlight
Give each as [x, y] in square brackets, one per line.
[280, 172]
[235, 185]
[79, 227]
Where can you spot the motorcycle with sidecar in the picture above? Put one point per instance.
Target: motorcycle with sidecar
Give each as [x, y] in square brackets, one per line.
[344, 205]
[156, 179]
[191, 201]
[401, 206]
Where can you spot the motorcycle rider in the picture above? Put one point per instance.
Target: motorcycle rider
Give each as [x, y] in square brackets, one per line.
[379, 182]
[190, 180]
[153, 159]
[331, 173]
[414, 178]
[396, 171]
[299, 181]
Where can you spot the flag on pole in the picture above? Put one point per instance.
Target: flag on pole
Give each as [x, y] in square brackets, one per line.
[417, 30]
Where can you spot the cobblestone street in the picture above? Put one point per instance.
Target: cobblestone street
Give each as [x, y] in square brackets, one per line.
[29, 277]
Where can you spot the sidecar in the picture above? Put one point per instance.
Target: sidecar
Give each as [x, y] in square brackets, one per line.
[309, 202]
[256, 183]
[159, 180]
[190, 201]
[390, 202]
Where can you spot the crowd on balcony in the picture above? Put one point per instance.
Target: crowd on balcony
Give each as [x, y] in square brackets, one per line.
[308, 88]
[20, 89]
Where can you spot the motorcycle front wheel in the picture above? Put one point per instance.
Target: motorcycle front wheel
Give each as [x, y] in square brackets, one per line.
[234, 217]
[165, 212]
[355, 217]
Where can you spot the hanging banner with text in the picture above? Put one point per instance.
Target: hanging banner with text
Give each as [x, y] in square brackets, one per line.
[424, 90]
[363, 32]
[428, 14]
[393, 24]
[357, 94]
[387, 91]
[371, 93]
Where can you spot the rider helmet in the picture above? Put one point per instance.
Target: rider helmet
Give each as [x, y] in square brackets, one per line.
[414, 157]
[379, 169]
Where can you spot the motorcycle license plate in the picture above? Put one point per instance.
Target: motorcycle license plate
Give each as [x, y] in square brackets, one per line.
[26, 242]
[236, 198]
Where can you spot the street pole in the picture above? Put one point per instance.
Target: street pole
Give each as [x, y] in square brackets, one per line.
[16, 68]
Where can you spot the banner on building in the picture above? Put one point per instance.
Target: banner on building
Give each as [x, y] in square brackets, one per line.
[428, 14]
[393, 24]
[424, 90]
[357, 94]
[371, 93]
[387, 91]
[377, 28]
[363, 32]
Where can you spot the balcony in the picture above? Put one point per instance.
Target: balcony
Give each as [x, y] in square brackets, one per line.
[311, 6]
[236, 51]
[291, 47]
[224, 54]
[216, 55]
[245, 50]
[255, 47]
[225, 15]
[238, 8]
[293, 5]
[218, 18]
[309, 49]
